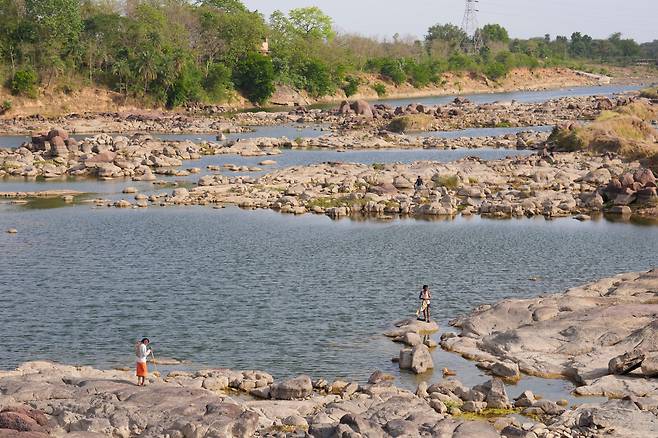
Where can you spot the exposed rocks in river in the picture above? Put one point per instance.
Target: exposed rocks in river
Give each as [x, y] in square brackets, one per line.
[594, 335]
[566, 184]
[42, 399]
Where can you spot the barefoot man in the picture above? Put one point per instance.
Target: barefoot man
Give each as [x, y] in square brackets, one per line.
[142, 353]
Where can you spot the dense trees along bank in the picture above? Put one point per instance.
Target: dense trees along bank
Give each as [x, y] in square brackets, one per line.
[173, 51]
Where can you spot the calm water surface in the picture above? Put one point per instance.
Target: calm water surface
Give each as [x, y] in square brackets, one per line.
[257, 289]
[519, 96]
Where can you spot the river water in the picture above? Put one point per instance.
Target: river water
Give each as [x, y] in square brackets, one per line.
[258, 289]
[519, 96]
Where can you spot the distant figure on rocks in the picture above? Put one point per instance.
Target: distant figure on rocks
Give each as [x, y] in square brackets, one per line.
[424, 297]
[419, 183]
[142, 353]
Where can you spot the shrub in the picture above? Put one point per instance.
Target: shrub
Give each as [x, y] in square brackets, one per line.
[380, 89]
[568, 140]
[24, 83]
[217, 83]
[420, 74]
[496, 70]
[461, 62]
[351, 85]
[649, 93]
[392, 69]
[254, 76]
[186, 88]
[317, 77]
[389, 68]
[6, 106]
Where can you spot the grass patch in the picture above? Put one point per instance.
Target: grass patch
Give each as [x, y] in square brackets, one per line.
[649, 93]
[378, 166]
[447, 181]
[329, 202]
[488, 413]
[411, 122]
[626, 131]
[380, 89]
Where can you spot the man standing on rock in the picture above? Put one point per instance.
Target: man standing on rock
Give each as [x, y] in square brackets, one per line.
[419, 183]
[425, 297]
[142, 354]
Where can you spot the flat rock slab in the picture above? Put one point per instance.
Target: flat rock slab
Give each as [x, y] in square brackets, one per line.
[575, 334]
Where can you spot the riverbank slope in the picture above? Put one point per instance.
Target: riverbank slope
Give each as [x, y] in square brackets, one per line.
[53, 102]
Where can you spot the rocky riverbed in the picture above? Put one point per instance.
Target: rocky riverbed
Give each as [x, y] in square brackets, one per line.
[459, 114]
[564, 184]
[55, 154]
[574, 334]
[601, 335]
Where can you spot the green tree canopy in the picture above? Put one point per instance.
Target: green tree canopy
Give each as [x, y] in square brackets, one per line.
[494, 33]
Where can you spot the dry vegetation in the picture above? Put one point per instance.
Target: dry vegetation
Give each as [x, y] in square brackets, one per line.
[627, 131]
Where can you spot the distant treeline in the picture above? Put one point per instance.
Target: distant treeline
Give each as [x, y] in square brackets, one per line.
[173, 52]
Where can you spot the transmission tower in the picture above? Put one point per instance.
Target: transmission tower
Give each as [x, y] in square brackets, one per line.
[470, 26]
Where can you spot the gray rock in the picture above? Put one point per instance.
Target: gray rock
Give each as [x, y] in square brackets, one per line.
[362, 426]
[291, 389]
[380, 377]
[421, 359]
[507, 370]
[650, 365]
[549, 407]
[627, 362]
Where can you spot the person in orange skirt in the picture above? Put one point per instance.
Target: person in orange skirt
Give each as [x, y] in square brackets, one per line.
[142, 353]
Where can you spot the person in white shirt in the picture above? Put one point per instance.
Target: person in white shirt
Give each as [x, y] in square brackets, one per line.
[142, 353]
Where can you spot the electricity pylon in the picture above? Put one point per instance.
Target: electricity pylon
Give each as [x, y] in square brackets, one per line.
[473, 42]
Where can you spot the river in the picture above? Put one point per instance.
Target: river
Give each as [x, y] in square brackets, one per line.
[286, 294]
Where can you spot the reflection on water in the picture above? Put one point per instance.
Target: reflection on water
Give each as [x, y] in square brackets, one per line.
[257, 289]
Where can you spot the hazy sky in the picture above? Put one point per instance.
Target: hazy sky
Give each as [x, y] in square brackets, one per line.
[523, 18]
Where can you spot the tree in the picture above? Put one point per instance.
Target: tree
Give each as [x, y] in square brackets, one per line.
[446, 36]
[311, 23]
[254, 76]
[56, 26]
[581, 45]
[494, 33]
[225, 37]
[229, 6]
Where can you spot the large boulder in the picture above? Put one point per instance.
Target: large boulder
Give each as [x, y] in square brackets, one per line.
[58, 147]
[58, 132]
[291, 389]
[495, 394]
[644, 176]
[360, 425]
[421, 359]
[625, 363]
[362, 108]
[507, 370]
[345, 108]
[650, 365]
